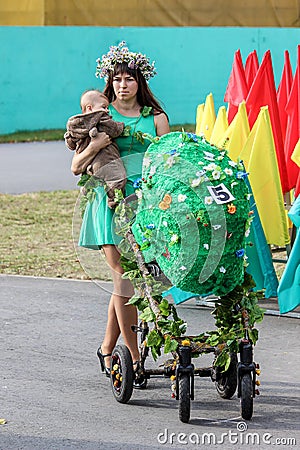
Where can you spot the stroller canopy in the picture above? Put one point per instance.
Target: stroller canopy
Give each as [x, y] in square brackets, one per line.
[193, 213]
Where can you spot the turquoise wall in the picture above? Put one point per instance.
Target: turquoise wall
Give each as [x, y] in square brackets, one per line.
[45, 69]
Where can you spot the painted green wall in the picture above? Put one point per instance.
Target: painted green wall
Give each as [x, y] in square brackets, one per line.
[45, 69]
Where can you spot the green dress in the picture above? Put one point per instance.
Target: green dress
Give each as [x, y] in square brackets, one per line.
[97, 226]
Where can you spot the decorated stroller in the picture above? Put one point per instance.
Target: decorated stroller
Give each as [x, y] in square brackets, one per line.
[187, 227]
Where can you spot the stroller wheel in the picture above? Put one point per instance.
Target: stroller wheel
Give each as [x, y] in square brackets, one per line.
[121, 374]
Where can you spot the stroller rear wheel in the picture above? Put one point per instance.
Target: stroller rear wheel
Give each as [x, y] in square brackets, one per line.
[226, 383]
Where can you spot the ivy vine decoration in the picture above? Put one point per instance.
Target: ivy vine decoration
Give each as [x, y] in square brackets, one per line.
[235, 313]
[155, 309]
[87, 183]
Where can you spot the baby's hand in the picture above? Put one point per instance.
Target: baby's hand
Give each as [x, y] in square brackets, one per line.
[99, 140]
[93, 132]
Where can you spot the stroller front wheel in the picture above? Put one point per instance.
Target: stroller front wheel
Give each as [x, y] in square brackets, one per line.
[121, 374]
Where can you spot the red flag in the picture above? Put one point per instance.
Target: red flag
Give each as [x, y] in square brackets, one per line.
[283, 92]
[237, 88]
[263, 93]
[293, 126]
[251, 67]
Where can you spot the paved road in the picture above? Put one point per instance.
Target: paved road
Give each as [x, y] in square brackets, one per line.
[35, 166]
[53, 396]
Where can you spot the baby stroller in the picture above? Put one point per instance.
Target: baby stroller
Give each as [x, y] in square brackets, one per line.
[155, 260]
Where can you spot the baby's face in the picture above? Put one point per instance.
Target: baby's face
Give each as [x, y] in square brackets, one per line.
[101, 104]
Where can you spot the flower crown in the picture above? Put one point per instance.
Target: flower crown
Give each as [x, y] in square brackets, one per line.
[121, 54]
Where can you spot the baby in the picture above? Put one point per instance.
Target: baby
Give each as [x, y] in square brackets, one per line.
[82, 129]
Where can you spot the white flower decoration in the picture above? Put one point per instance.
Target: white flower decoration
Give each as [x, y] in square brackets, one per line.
[247, 232]
[208, 200]
[165, 223]
[228, 171]
[211, 166]
[146, 161]
[196, 182]
[174, 238]
[216, 227]
[232, 163]
[206, 246]
[139, 193]
[209, 156]
[182, 268]
[170, 161]
[222, 269]
[181, 198]
[152, 170]
[216, 174]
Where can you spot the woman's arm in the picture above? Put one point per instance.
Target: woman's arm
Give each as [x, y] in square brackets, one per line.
[81, 160]
[162, 124]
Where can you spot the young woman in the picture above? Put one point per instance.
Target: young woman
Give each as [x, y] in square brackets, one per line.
[131, 102]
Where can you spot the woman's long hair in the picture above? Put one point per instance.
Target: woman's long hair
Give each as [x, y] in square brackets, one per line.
[144, 94]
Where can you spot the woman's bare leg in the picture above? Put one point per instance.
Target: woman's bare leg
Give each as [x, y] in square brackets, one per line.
[120, 316]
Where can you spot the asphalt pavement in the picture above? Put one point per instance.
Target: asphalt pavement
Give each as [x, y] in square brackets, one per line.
[53, 395]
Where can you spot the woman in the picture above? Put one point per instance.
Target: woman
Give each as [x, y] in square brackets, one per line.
[131, 102]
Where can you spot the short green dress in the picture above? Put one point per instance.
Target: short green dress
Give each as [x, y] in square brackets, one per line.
[97, 226]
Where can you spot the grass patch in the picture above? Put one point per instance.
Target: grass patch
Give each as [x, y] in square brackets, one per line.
[30, 136]
[58, 135]
[37, 237]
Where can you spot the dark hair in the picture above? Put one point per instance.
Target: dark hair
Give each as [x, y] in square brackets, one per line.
[144, 94]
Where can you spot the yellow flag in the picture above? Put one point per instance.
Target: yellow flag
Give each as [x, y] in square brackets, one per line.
[220, 126]
[259, 157]
[296, 154]
[208, 117]
[199, 114]
[237, 133]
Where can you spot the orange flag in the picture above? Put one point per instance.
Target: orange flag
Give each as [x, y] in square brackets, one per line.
[293, 127]
[251, 67]
[283, 92]
[263, 93]
[237, 88]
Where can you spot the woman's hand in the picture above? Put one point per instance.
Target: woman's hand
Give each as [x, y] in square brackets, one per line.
[81, 160]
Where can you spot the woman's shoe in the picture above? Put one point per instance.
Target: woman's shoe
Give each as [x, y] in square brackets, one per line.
[102, 361]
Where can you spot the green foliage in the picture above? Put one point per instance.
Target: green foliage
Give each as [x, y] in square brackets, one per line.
[234, 313]
[88, 184]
